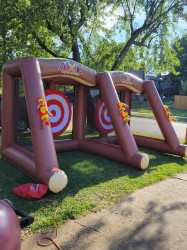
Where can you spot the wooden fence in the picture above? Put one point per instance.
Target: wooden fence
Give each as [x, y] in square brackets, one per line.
[180, 102]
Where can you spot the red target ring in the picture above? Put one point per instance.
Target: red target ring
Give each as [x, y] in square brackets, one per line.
[102, 119]
[60, 107]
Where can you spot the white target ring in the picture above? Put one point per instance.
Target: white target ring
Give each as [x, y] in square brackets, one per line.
[102, 119]
[60, 107]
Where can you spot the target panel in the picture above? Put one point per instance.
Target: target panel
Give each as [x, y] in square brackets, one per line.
[60, 107]
[102, 119]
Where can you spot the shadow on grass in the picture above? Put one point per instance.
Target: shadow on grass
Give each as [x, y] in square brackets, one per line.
[83, 170]
[26, 136]
[163, 159]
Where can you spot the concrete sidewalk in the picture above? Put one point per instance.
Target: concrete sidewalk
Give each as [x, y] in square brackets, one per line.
[150, 127]
[154, 217]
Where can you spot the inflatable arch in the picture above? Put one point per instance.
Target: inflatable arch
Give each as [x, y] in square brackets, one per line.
[42, 163]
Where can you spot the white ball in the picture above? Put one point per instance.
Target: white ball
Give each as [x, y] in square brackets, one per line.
[58, 181]
[144, 161]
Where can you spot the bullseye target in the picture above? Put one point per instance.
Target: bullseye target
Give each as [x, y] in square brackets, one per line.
[60, 108]
[102, 119]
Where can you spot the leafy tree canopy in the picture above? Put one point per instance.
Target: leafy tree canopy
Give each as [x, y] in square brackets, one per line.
[154, 34]
[180, 80]
[79, 29]
[47, 28]
[182, 56]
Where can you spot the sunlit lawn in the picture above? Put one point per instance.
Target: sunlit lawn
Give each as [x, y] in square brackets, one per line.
[147, 112]
[93, 183]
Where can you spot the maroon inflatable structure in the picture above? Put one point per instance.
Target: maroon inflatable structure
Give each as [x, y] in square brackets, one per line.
[42, 164]
[10, 225]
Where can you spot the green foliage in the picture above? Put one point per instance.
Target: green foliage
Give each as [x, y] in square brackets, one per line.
[85, 31]
[153, 33]
[184, 88]
[180, 48]
[163, 58]
[182, 55]
[45, 28]
[93, 183]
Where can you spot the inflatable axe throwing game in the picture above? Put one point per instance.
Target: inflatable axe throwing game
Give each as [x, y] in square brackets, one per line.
[49, 113]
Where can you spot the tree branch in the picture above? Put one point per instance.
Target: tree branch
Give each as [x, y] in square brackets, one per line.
[153, 20]
[151, 12]
[50, 27]
[158, 6]
[124, 52]
[152, 30]
[140, 44]
[134, 7]
[85, 44]
[43, 46]
[82, 19]
[131, 16]
[166, 11]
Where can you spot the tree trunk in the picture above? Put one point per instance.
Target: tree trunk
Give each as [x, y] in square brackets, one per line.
[125, 50]
[75, 51]
[122, 55]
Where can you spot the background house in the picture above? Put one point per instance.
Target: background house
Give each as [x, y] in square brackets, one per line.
[163, 84]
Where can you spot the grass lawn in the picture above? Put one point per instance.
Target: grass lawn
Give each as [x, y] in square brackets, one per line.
[93, 183]
[147, 112]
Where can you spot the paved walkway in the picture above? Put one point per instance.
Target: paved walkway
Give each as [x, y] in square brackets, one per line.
[150, 127]
[154, 217]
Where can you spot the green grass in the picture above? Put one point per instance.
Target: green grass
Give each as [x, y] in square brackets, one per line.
[147, 112]
[147, 115]
[93, 183]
